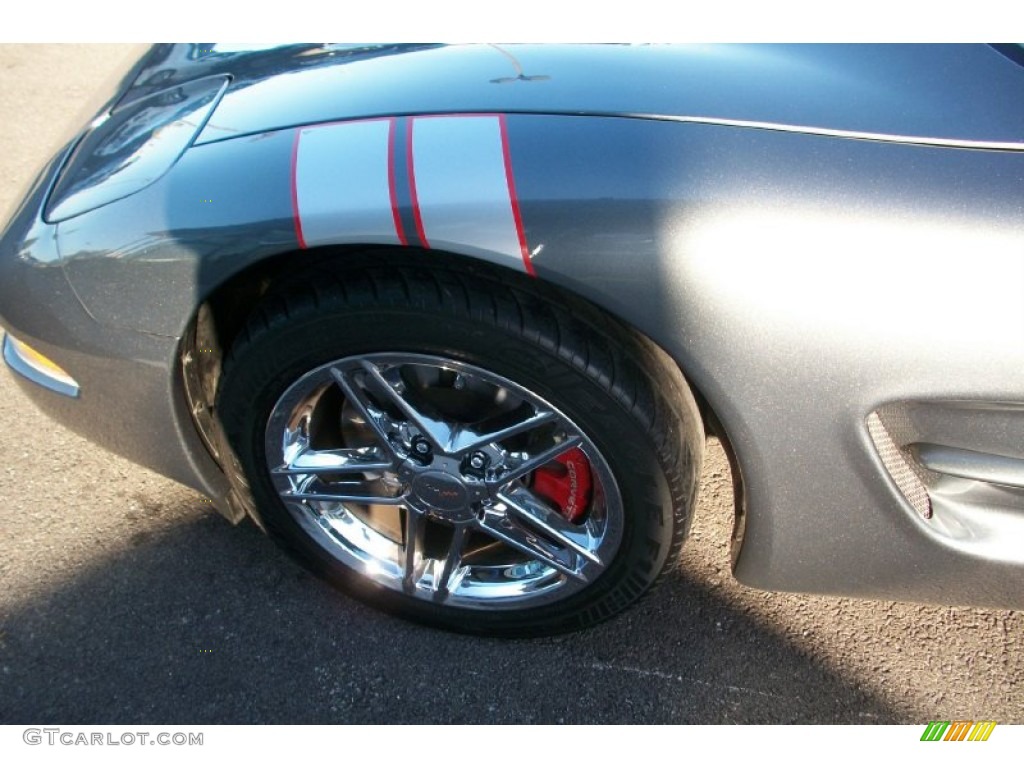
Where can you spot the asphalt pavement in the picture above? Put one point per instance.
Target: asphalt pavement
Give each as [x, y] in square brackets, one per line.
[124, 598]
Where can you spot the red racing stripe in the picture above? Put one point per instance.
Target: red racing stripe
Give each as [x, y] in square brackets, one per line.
[295, 190]
[527, 264]
[412, 186]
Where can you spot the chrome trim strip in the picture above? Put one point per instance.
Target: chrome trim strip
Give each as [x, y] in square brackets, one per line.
[1005, 146]
[20, 365]
[971, 465]
[810, 130]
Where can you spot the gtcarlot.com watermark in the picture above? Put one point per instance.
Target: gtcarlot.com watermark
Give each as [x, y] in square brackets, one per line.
[68, 738]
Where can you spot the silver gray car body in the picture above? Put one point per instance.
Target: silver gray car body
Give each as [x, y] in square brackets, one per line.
[828, 240]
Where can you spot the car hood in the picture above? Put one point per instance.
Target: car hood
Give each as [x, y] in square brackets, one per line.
[946, 92]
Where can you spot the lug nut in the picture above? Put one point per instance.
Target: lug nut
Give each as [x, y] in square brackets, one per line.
[475, 464]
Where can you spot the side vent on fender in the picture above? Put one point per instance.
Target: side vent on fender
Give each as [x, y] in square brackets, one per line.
[960, 466]
[900, 466]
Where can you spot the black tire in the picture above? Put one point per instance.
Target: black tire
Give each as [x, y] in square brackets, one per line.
[633, 409]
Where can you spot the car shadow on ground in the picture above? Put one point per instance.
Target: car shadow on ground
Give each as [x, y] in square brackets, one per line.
[202, 623]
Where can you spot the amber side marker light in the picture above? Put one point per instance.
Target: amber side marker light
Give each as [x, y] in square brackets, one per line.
[37, 367]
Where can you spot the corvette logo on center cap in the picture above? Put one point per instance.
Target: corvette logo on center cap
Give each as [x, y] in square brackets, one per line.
[439, 491]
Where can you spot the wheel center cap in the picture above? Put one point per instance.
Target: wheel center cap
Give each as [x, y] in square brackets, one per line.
[440, 492]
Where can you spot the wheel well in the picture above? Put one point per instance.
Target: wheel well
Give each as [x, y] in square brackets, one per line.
[220, 318]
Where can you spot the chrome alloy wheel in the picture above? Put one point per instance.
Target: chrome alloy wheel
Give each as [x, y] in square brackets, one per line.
[422, 473]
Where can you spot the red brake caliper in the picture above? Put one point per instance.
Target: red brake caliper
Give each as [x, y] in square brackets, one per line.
[567, 483]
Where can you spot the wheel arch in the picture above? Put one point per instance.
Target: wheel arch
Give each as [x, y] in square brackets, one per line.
[221, 315]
